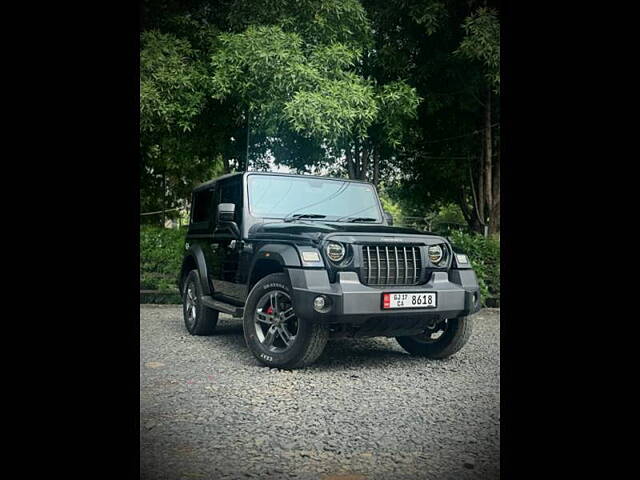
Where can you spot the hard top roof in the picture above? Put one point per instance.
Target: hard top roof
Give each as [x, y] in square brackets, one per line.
[211, 183]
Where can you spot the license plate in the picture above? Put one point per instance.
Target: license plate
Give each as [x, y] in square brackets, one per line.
[409, 300]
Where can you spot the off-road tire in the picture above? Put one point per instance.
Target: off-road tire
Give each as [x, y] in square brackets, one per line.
[311, 337]
[206, 318]
[452, 340]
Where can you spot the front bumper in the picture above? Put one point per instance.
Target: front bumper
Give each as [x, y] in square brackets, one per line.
[458, 294]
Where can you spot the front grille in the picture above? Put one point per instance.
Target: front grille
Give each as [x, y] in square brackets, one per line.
[390, 265]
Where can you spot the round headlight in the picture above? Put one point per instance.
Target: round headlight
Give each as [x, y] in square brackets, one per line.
[435, 253]
[335, 251]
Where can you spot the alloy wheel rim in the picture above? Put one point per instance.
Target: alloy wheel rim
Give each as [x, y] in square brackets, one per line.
[191, 304]
[275, 322]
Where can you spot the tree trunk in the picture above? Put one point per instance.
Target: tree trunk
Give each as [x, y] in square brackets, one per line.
[365, 160]
[494, 225]
[488, 158]
[475, 220]
[164, 196]
[376, 168]
[480, 206]
[352, 173]
[467, 213]
[356, 159]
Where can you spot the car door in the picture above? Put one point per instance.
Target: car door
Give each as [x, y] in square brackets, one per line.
[226, 247]
[200, 225]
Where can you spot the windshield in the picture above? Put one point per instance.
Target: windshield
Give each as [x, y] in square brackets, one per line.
[333, 200]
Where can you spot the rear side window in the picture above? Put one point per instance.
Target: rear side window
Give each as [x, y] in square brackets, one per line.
[231, 192]
[202, 206]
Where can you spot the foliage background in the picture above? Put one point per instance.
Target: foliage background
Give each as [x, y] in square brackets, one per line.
[402, 93]
[161, 251]
[484, 254]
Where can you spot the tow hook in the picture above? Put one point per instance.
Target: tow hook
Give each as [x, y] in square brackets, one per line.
[432, 324]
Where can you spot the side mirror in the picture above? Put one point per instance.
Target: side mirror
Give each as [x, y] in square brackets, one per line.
[226, 212]
[226, 215]
[388, 217]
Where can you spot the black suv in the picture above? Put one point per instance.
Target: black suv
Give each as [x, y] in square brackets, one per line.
[303, 258]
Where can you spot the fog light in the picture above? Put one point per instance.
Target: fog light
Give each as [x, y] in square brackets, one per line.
[320, 304]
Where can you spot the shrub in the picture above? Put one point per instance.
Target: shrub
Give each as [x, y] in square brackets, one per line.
[161, 252]
[484, 254]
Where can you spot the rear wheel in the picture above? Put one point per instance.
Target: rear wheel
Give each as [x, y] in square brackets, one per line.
[198, 318]
[445, 339]
[273, 331]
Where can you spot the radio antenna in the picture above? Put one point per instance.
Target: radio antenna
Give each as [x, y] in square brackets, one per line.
[246, 162]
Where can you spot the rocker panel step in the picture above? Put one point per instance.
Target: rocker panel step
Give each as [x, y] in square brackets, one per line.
[222, 306]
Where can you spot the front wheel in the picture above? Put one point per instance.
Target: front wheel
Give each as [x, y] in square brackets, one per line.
[273, 331]
[446, 338]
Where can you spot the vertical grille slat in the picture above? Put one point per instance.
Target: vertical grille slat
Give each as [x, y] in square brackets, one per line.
[368, 266]
[415, 266]
[397, 266]
[386, 249]
[406, 265]
[402, 267]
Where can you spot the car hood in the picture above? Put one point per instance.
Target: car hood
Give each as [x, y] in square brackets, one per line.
[318, 230]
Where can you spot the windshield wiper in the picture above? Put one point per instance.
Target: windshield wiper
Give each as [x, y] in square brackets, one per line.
[360, 219]
[296, 216]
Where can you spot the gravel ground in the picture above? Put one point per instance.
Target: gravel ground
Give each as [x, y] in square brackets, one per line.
[364, 410]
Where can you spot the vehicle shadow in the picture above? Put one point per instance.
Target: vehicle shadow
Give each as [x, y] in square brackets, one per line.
[339, 354]
[346, 353]
[229, 329]
[229, 326]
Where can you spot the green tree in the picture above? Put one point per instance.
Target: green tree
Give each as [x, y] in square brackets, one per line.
[401, 92]
[180, 142]
[173, 83]
[301, 79]
[449, 51]
[482, 44]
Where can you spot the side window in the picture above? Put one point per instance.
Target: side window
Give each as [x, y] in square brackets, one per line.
[231, 192]
[202, 202]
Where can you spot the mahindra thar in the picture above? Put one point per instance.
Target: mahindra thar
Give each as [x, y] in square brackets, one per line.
[302, 258]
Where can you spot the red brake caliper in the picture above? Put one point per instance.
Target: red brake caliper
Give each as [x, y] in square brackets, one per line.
[269, 310]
